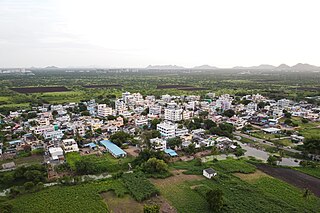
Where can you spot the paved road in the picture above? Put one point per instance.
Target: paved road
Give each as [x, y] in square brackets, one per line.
[262, 141]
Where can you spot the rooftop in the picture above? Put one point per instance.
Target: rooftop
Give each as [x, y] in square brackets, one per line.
[113, 148]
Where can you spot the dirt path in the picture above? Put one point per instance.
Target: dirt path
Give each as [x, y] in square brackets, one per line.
[293, 177]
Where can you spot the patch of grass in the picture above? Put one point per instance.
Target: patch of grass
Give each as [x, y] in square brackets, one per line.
[233, 165]
[105, 162]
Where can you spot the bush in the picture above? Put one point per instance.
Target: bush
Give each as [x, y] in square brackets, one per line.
[151, 209]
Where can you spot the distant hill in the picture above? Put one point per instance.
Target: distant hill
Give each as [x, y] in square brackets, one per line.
[162, 67]
[205, 67]
[283, 67]
[51, 67]
[306, 67]
[260, 67]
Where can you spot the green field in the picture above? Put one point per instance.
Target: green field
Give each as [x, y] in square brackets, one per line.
[105, 162]
[265, 194]
[80, 198]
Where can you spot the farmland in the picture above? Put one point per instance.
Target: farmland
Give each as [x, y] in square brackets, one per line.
[39, 89]
[236, 178]
[268, 194]
[101, 84]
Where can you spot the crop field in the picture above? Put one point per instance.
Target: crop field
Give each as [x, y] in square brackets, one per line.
[79, 198]
[257, 193]
[39, 89]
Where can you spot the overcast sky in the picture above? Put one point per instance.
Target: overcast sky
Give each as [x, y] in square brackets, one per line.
[136, 33]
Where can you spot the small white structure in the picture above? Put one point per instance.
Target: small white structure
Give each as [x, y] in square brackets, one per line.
[70, 145]
[209, 173]
[272, 130]
[55, 152]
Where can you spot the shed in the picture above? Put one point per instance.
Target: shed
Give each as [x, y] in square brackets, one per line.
[209, 173]
[114, 150]
[171, 152]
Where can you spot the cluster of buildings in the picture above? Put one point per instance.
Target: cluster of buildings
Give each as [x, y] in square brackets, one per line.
[57, 128]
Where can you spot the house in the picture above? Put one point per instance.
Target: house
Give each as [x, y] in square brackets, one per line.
[113, 149]
[158, 144]
[271, 130]
[56, 153]
[70, 145]
[209, 173]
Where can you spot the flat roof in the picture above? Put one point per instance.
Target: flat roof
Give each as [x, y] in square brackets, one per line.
[113, 147]
[272, 129]
[171, 152]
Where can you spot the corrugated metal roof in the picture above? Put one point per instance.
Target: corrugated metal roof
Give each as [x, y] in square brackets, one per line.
[113, 148]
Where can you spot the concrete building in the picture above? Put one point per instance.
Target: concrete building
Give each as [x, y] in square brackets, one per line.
[69, 145]
[173, 114]
[104, 111]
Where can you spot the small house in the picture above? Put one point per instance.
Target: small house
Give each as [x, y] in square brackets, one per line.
[209, 173]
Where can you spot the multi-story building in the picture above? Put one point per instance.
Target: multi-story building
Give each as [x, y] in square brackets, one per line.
[173, 114]
[170, 130]
[69, 145]
[104, 111]
[167, 129]
[141, 121]
[158, 144]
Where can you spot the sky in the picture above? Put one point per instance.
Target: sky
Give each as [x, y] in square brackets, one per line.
[127, 33]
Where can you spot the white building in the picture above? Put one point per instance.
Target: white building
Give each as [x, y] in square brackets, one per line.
[155, 110]
[173, 114]
[158, 144]
[69, 145]
[55, 152]
[167, 129]
[170, 130]
[209, 173]
[186, 115]
[141, 121]
[104, 111]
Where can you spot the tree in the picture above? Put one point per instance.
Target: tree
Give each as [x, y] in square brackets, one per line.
[215, 199]
[209, 124]
[287, 114]
[272, 160]
[261, 105]
[155, 166]
[312, 145]
[239, 152]
[151, 209]
[28, 185]
[174, 142]
[229, 113]
[304, 120]
[120, 137]
[191, 149]
[154, 123]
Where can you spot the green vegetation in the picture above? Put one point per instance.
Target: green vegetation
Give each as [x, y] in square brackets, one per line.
[139, 187]
[315, 172]
[79, 198]
[265, 194]
[232, 166]
[93, 164]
